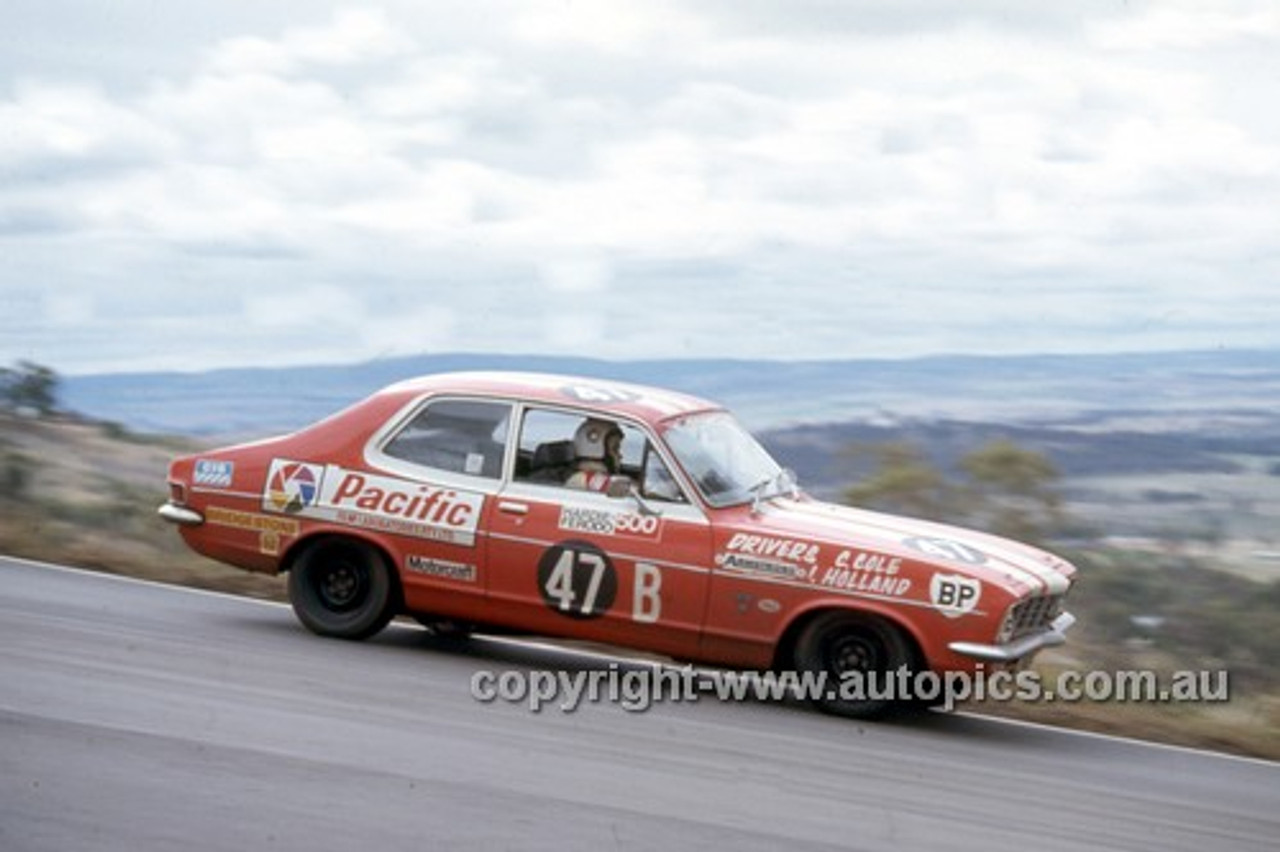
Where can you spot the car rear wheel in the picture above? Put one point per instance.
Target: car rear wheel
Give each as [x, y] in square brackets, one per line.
[342, 589]
[860, 656]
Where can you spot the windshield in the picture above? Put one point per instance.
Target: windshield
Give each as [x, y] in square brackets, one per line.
[726, 464]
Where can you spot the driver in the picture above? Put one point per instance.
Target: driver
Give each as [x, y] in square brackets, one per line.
[597, 446]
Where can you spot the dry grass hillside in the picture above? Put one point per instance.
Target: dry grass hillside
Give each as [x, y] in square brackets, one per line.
[85, 494]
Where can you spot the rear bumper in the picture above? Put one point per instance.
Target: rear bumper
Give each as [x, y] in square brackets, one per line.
[181, 515]
[1020, 649]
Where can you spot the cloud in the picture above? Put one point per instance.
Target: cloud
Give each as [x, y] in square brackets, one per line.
[580, 275]
[610, 27]
[690, 171]
[1187, 28]
[353, 36]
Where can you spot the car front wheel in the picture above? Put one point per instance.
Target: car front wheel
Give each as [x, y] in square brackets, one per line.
[860, 657]
[342, 589]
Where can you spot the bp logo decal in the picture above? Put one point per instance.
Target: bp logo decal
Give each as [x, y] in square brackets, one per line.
[292, 486]
[954, 595]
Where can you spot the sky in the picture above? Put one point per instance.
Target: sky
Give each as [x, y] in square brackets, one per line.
[195, 185]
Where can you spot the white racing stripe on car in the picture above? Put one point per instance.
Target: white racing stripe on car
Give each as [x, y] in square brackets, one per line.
[1003, 562]
[838, 520]
[1032, 570]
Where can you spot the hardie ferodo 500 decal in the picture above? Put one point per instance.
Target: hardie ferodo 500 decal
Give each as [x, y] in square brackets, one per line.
[359, 499]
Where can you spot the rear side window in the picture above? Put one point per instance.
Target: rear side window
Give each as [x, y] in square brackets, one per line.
[458, 436]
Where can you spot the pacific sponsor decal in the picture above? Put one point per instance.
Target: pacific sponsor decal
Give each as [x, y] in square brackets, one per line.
[397, 506]
[212, 473]
[601, 522]
[292, 486]
[954, 595]
[441, 568]
[371, 501]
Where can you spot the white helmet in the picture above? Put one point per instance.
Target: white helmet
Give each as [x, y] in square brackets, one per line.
[589, 440]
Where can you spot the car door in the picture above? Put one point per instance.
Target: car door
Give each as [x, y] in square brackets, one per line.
[582, 563]
[446, 458]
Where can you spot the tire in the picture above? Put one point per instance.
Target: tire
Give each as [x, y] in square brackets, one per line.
[342, 589]
[840, 644]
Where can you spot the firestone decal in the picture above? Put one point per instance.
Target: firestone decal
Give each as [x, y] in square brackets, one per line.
[375, 502]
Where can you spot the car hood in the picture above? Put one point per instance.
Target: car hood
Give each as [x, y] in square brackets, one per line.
[1018, 567]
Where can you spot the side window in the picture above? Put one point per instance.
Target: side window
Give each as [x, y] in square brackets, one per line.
[458, 436]
[547, 456]
[546, 453]
[658, 483]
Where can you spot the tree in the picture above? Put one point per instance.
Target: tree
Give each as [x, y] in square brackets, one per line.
[1013, 490]
[904, 481]
[1002, 487]
[31, 386]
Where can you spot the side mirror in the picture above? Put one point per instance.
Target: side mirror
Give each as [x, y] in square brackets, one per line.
[646, 508]
[619, 486]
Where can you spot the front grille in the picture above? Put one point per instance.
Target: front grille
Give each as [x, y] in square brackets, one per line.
[1033, 615]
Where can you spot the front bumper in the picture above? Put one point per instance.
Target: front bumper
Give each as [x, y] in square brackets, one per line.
[1021, 649]
[181, 515]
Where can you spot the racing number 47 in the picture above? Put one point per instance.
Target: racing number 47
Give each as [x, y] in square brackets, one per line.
[582, 583]
[559, 585]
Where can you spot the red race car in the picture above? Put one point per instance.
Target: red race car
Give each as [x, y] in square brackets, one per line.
[622, 514]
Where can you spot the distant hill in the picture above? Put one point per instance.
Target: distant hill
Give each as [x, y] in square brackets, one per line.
[1178, 446]
[1147, 392]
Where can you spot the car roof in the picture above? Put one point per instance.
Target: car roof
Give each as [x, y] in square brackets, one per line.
[649, 404]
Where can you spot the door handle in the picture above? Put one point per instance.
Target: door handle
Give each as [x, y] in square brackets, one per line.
[513, 508]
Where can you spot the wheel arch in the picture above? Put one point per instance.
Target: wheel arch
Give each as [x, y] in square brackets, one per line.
[328, 535]
[784, 649]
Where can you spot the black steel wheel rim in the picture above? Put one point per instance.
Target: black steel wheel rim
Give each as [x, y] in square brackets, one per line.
[341, 587]
[854, 652]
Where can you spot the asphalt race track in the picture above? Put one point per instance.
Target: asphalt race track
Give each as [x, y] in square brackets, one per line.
[141, 717]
